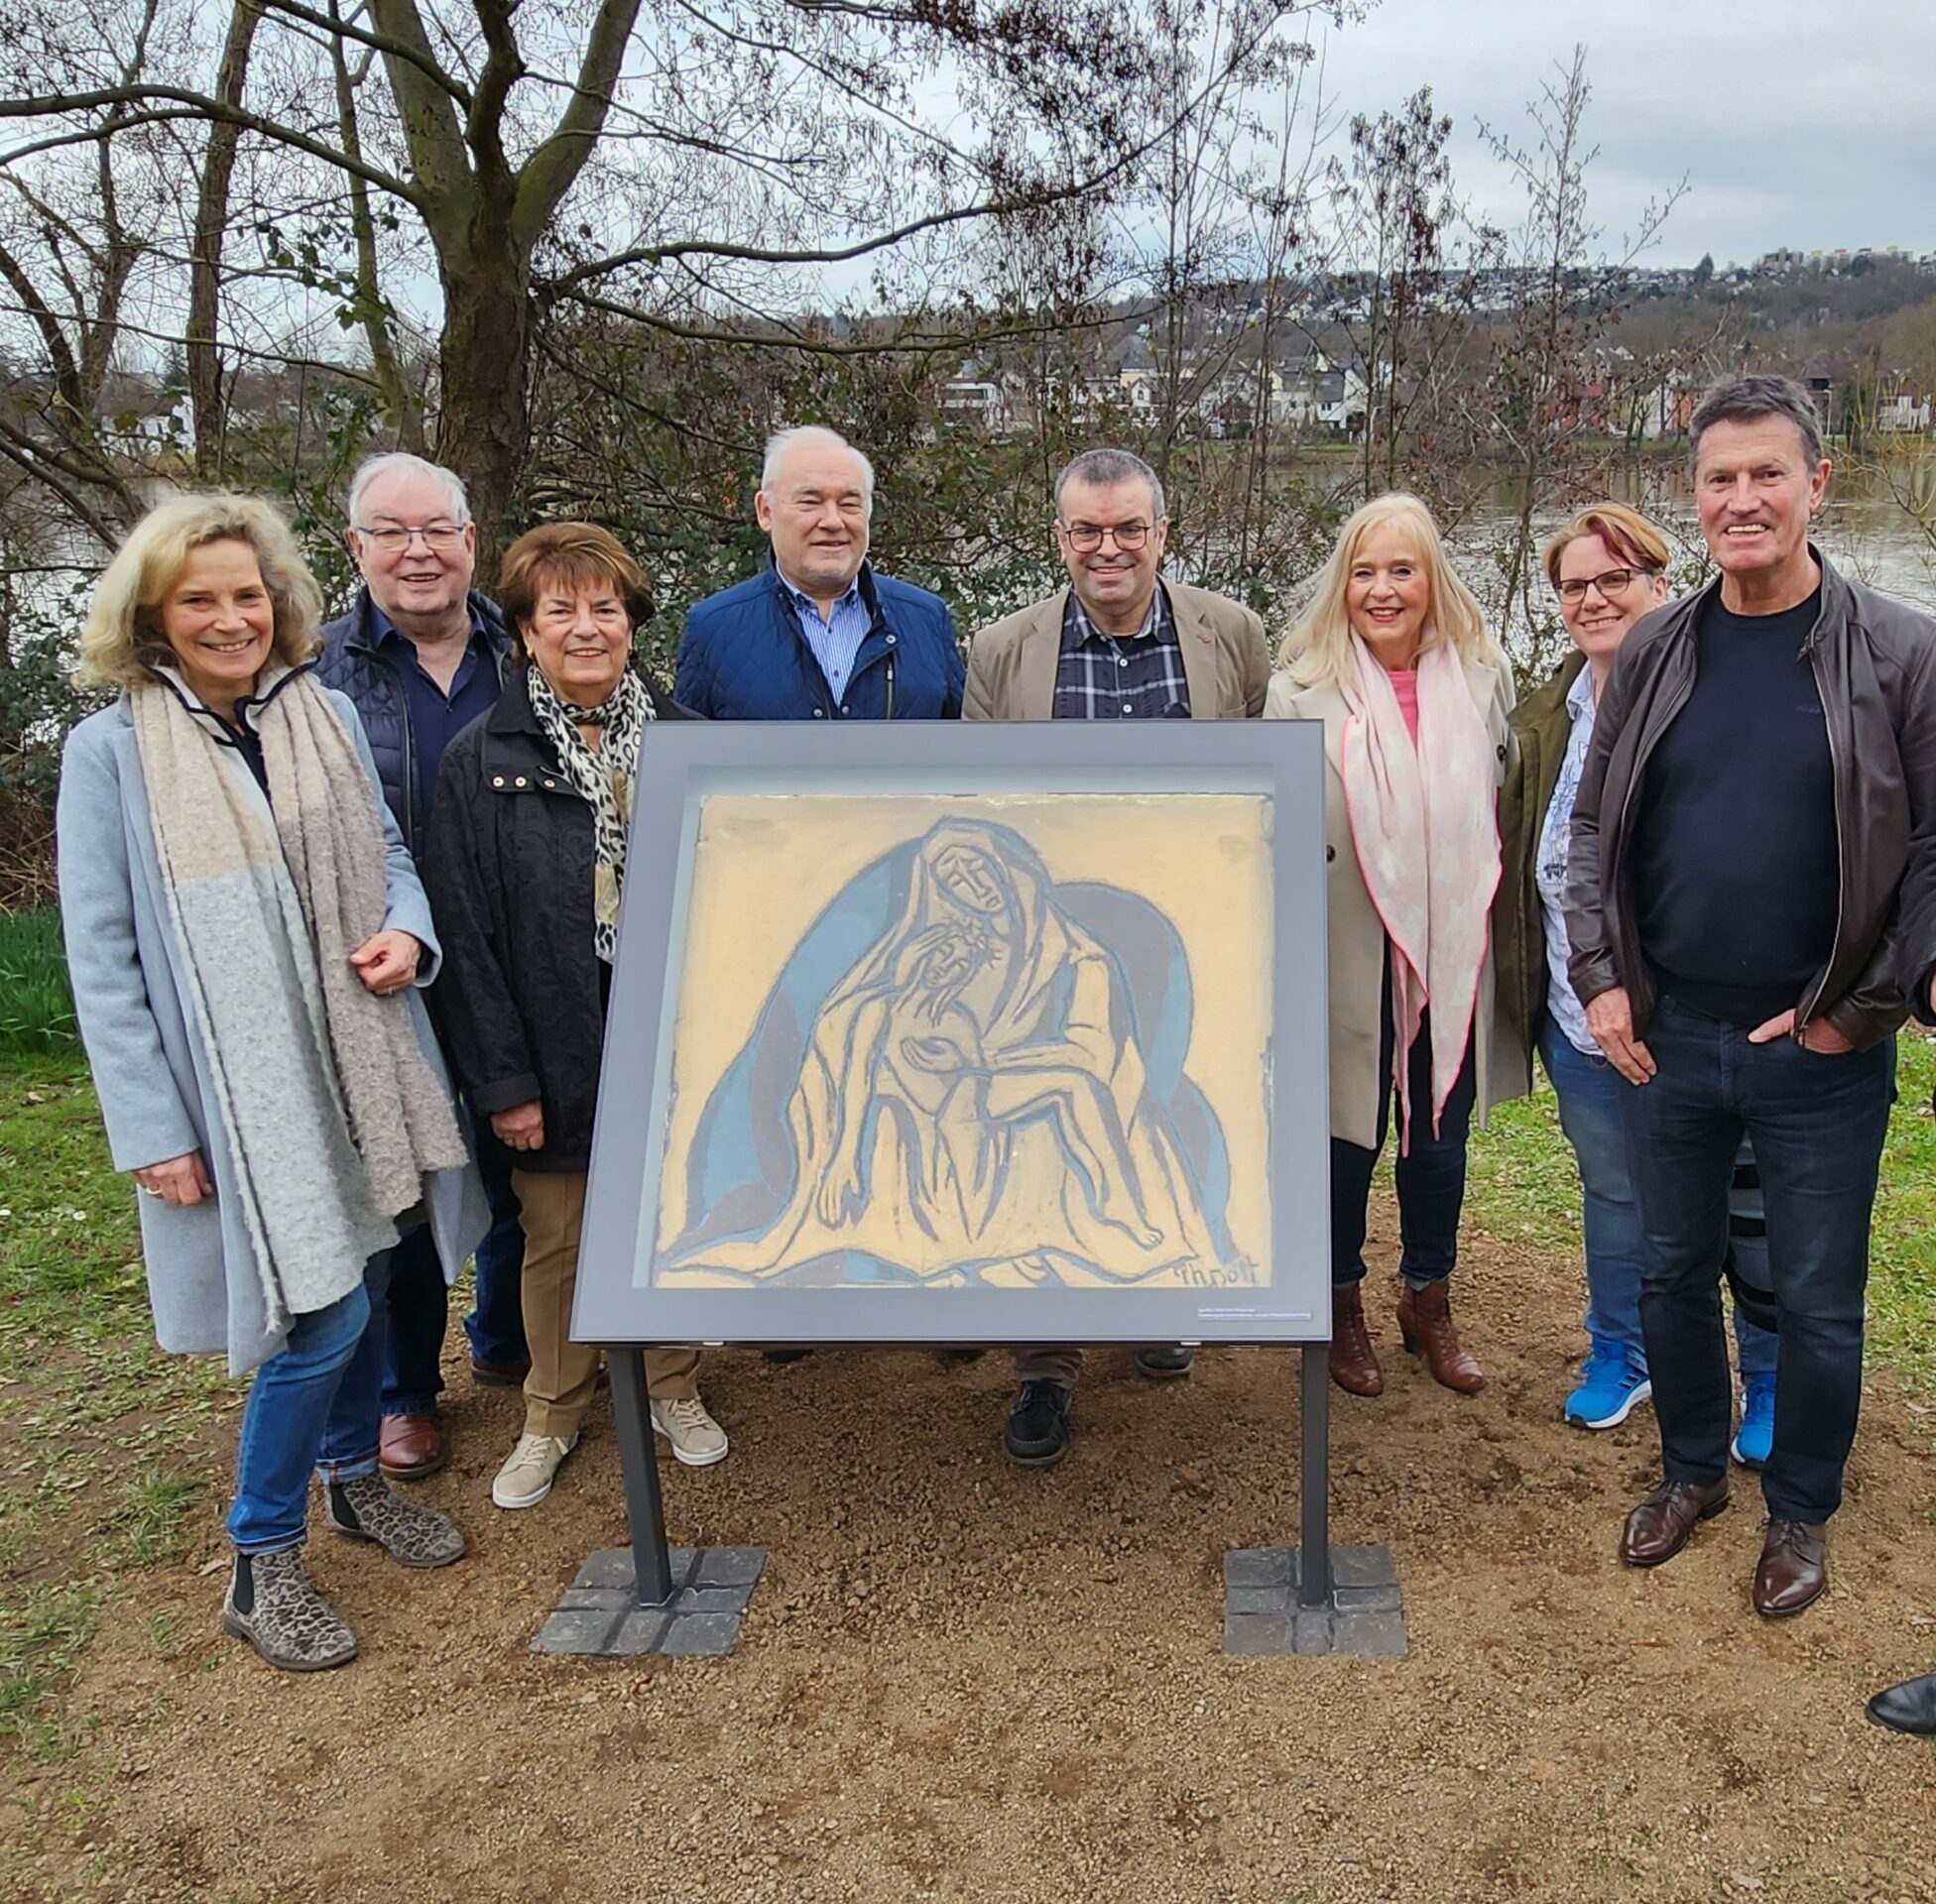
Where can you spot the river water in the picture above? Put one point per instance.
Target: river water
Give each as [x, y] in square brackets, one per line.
[1863, 530]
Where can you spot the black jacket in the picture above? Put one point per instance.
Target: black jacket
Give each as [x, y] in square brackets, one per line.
[509, 868]
[1875, 665]
[352, 663]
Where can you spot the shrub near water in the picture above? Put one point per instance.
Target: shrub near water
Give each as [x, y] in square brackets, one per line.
[37, 1007]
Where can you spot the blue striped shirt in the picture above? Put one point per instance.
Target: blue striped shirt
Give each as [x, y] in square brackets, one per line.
[837, 641]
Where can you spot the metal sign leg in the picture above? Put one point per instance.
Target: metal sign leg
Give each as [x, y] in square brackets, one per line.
[1314, 1572]
[652, 1564]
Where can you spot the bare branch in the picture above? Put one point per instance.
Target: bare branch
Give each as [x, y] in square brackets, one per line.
[334, 28]
[548, 173]
[189, 106]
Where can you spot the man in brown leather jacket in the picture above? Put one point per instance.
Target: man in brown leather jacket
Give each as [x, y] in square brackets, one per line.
[1764, 758]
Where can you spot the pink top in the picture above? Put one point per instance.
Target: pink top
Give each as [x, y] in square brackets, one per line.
[1404, 684]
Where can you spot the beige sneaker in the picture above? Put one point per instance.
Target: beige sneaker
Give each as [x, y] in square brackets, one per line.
[526, 1478]
[697, 1440]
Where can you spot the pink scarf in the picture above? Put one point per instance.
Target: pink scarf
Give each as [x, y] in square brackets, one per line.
[1424, 825]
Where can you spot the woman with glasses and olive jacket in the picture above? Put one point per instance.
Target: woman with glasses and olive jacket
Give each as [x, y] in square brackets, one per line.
[1607, 569]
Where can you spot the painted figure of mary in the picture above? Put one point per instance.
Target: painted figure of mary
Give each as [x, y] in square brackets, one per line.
[973, 1098]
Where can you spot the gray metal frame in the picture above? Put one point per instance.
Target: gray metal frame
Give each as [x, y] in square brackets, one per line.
[681, 761]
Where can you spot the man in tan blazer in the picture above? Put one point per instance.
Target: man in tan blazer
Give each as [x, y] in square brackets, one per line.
[1118, 644]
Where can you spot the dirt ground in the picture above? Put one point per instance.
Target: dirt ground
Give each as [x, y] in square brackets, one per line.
[963, 1681]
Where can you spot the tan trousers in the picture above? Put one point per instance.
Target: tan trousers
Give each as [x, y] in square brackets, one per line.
[564, 1372]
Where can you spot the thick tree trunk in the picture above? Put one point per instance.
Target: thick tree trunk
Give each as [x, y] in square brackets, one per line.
[206, 261]
[483, 414]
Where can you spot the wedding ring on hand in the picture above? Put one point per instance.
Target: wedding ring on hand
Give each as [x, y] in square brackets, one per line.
[147, 1191]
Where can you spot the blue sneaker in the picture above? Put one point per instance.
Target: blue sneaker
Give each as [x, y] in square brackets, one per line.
[1755, 1438]
[1611, 1388]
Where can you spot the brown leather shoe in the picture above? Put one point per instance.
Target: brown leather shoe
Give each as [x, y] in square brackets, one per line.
[410, 1447]
[1353, 1359]
[1794, 1569]
[1425, 1322]
[1657, 1529]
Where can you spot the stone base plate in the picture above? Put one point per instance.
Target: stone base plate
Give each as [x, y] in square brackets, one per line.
[1262, 1614]
[711, 1587]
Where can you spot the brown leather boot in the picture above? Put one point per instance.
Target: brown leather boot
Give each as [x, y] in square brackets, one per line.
[1425, 1322]
[1354, 1361]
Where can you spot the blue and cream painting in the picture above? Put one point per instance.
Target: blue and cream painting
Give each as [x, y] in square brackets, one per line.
[995, 1042]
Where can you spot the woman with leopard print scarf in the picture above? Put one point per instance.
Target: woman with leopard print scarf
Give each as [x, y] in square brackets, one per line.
[523, 866]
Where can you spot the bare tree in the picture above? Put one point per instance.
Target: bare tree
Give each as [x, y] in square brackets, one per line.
[1548, 396]
[1403, 294]
[742, 149]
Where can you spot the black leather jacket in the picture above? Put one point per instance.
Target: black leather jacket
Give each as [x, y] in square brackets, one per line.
[1874, 664]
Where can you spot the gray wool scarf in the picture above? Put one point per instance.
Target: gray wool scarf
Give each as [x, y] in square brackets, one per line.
[332, 1115]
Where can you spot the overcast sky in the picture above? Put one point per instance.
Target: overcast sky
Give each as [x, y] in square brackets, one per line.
[1809, 123]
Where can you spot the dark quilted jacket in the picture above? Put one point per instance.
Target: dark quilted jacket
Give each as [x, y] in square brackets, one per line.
[744, 657]
[353, 665]
[520, 1000]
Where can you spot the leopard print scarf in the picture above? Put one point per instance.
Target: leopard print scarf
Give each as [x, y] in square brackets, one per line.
[603, 776]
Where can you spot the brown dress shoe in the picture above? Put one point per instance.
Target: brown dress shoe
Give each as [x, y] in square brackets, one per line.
[410, 1447]
[1657, 1529]
[1353, 1359]
[1794, 1569]
[1425, 1322]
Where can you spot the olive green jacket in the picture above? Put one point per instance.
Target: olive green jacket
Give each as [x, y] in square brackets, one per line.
[1543, 728]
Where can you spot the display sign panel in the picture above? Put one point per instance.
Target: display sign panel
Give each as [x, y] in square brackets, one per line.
[966, 1033]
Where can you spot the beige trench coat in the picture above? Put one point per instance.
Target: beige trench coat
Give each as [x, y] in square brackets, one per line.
[1356, 934]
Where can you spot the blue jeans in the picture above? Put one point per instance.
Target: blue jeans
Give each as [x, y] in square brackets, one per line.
[413, 1367]
[314, 1405]
[1430, 1174]
[1592, 1111]
[1817, 1125]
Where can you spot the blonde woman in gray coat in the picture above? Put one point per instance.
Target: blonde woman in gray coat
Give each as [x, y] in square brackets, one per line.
[245, 932]
[1395, 659]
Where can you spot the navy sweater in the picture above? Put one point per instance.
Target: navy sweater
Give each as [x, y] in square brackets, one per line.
[1735, 866]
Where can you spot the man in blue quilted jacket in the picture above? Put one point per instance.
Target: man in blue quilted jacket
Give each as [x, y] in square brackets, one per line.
[817, 635]
[422, 654]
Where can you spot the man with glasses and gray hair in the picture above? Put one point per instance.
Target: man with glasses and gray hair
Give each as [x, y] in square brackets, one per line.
[817, 635]
[422, 654]
[1118, 644]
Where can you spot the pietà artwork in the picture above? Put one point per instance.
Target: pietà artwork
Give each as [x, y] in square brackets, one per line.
[990, 1041]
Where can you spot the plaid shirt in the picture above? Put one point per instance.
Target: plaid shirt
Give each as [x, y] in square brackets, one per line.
[1131, 678]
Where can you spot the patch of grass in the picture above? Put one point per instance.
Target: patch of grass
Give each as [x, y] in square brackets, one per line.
[42, 1634]
[1903, 1238]
[37, 1007]
[153, 1516]
[98, 1429]
[1523, 1188]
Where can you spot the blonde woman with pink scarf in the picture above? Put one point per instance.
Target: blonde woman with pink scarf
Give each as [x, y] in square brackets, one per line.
[1393, 657]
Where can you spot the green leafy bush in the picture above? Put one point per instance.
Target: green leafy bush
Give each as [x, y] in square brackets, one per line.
[37, 1004]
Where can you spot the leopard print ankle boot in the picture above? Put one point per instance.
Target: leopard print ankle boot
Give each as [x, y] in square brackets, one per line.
[272, 1606]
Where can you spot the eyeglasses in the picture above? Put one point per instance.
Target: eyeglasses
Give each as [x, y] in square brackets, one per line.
[1085, 538]
[393, 541]
[1616, 581]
